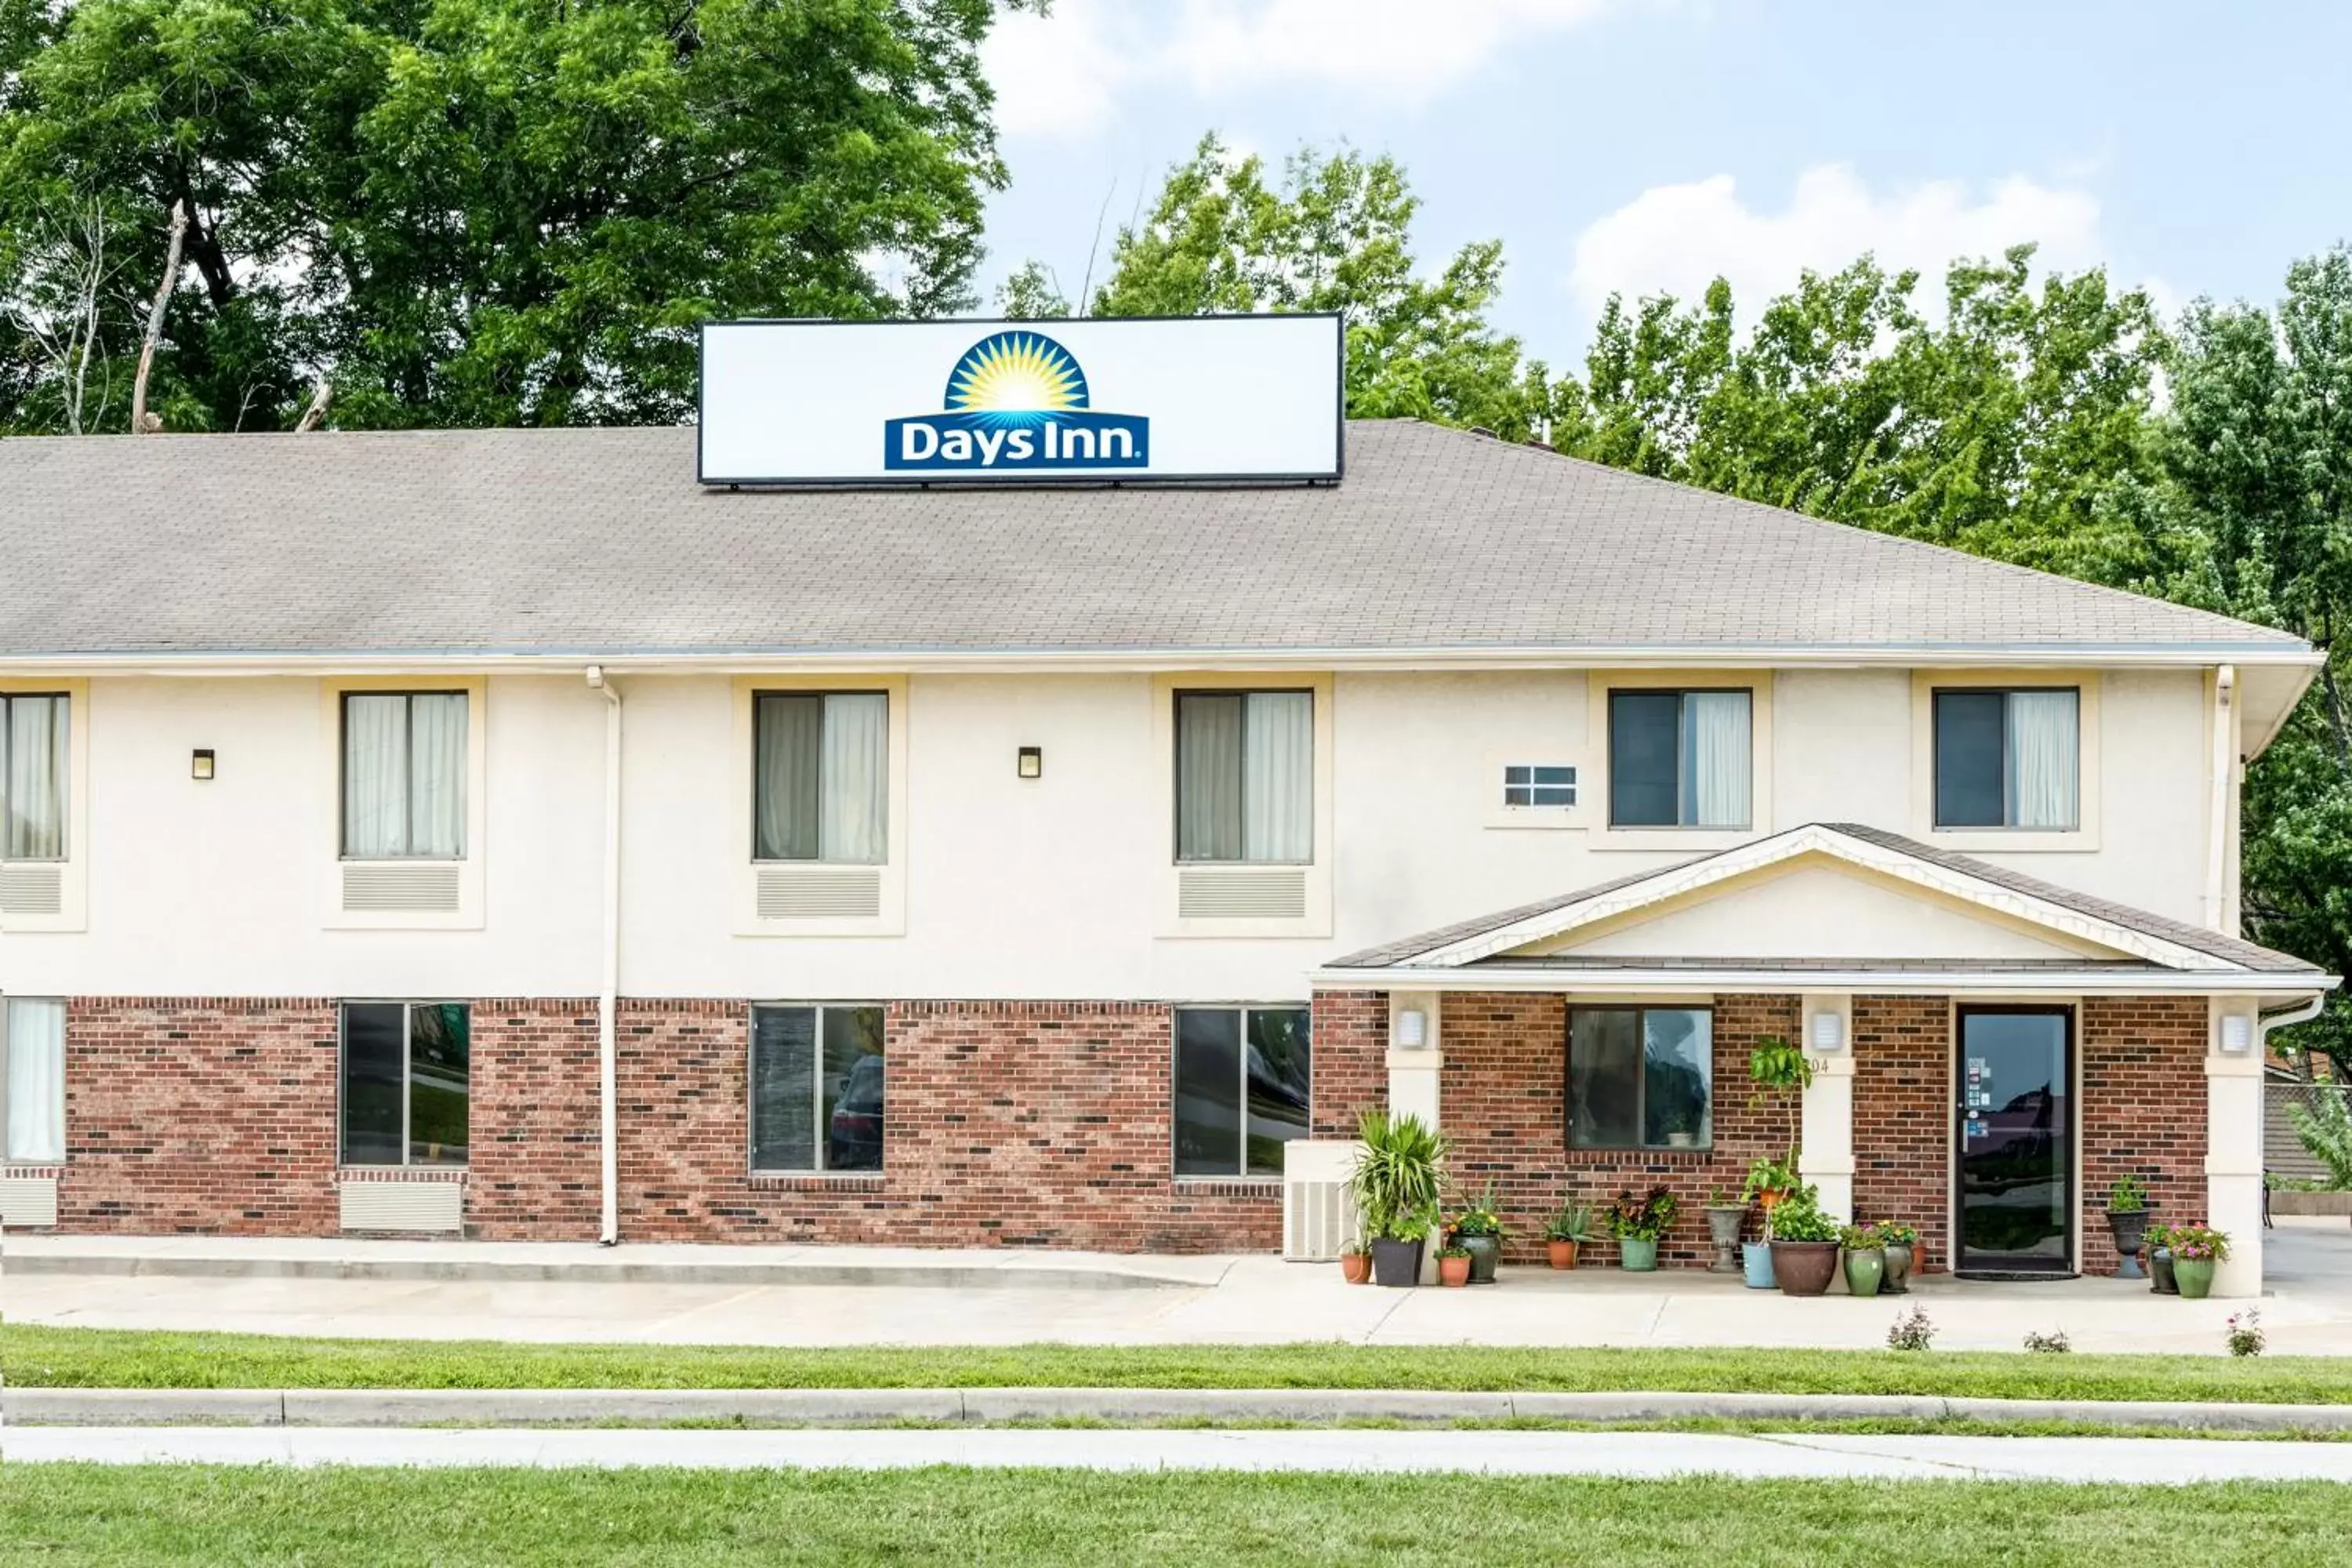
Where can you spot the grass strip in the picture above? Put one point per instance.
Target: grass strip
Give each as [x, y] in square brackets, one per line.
[193, 1516]
[34, 1355]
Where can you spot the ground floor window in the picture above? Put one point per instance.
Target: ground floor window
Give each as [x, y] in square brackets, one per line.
[33, 1079]
[1242, 1079]
[407, 1082]
[1641, 1077]
[816, 1088]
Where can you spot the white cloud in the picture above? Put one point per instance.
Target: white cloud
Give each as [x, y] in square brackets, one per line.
[1677, 240]
[1061, 73]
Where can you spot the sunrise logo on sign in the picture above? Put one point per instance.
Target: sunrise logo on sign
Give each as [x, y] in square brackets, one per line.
[1016, 402]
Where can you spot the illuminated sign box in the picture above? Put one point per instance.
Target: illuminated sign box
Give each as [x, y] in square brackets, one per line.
[1230, 398]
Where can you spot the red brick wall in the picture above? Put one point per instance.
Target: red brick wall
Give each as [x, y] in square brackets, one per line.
[1502, 1098]
[533, 1166]
[1351, 1072]
[1005, 1123]
[199, 1114]
[1902, 1115]
[2143, 1111]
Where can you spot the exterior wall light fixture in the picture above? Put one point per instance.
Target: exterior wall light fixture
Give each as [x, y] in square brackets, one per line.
[200, 763]
[1412, 1029]
[1828, 1032]
[1030, 762]
[2236, 1034]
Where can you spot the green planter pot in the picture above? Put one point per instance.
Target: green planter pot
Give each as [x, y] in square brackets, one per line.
[2159, 1272]
[1638, 1254]
[1865, 1269]
[1898, 1270]
[1485, 1251]
[2194, 1275]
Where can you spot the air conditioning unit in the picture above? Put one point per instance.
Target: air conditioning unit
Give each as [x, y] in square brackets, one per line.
[436, 1205]
[1223, 894]
[1318, 1213]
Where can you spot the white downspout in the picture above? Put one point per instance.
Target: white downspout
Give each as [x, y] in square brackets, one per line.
[608, 993]
[2217, 817]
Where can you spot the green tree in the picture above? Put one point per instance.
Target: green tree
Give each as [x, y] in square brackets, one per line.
[1333, 234]
[478, 212]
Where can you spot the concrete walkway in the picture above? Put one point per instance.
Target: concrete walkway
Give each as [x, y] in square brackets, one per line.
[1635, 1454]
[1013, 1298]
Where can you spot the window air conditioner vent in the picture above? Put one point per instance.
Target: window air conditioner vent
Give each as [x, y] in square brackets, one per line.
[424, 886]
[819, 892]
[32, 888]
[28, 1201]
[1278, 894]
[404, 1206]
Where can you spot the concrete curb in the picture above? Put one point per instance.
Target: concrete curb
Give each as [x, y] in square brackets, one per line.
[851, 1407]
[618, 1270]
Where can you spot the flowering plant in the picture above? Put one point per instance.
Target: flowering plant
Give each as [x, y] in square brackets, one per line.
[2245, 1337]
[2198, 1244]
[1892, 1233]
[1861, 1238]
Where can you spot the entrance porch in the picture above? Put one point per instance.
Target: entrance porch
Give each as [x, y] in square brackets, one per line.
[1988, 1053]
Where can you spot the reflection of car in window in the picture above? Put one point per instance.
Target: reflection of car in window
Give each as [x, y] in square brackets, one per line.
[854, 1136]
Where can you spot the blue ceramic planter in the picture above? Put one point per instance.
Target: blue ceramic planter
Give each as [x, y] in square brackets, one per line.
[1756, 1262]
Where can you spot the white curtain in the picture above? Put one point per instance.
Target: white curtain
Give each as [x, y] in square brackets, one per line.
[1278, 776]
[2043, 740]
[854, 779]
[37, 1080]
[375, 775]
[1208, 777]
[1715, 765]
[437, 775]
[33, 789]
[784, 786]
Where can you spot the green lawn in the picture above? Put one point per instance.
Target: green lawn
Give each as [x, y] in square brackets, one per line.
[179, 1515]
[39, 1356]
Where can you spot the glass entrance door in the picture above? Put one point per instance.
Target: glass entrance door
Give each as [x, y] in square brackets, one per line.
[2016, 1141]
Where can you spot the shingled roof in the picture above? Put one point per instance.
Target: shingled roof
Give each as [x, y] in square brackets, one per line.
[599, 541]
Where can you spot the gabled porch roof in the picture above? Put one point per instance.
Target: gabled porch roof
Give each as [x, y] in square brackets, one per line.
[1726, 921]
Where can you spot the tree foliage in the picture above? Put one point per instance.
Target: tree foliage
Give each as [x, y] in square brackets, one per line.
[481, 212]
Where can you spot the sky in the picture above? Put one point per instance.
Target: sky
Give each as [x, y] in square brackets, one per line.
[1650, 145]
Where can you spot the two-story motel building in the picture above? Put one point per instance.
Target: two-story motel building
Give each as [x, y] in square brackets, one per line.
[499, 833]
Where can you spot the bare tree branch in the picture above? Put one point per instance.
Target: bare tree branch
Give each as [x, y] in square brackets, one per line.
[140, 421]
[67, 272]
[323, 391]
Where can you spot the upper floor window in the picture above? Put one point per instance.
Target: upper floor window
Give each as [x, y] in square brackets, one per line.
[821, 776]
[1679, 758]
[405, 775]
[1243, 1080]
[2008, 759]
[816, 1088]
[407, 1083]
[1245, 777]
[1538, 785]
[1641, 1077]
[32, 777]
[33, 1079]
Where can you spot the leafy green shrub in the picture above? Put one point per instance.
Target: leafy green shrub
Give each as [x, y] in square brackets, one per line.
[2325, 1126]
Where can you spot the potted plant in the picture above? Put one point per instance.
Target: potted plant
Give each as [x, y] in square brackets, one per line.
[1902, 1244]
[1454, 1265]
[1804, 1244]
[1395, 1184]
[1769, 1181]
[1724, 1219]
[1756, 1264]
[1637, 1222]
[2196, 1249]
[1356, 1261]
[1776, 1064]
[2127, 1212]
[1570, 1228]
[2159, 1261]
[1865, 1259]
[1478, 1230]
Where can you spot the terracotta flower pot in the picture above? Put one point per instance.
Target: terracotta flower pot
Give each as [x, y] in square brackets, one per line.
[1356, 1268]
[1454, 1271]
[1563, 1253]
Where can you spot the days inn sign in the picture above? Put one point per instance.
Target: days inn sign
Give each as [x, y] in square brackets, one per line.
[1219, 398]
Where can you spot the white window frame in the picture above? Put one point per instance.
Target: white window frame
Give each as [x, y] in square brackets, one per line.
[1161, 803]
[817, 1091]
[1600, 779]
[743, 801]
[8, 1155]
[407, 1006]
[2084, 835]
[470, 865]
[73, 869]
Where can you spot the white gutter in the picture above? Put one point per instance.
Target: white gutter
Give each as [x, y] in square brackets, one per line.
[2217, 817]
[1884, 981]
[1143, 660]
[608, 992]
[2278, 1018]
